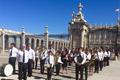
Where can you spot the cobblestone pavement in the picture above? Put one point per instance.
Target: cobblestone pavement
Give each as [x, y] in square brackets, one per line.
[109, 73]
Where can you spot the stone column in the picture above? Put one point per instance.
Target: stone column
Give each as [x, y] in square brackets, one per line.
[46, 37]
[39, 42]
[3, 41]
[23, 36]
[9, 41]
[14, 40]
[35, 41]
[17, 41]
[71, 42]
[56, 45]
[82, 38]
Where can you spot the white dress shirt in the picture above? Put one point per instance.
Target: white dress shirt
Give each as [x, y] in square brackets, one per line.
[83, 56]
[31, 54]
[50, 60]
[108, 53]
[14, 52]
[20, 56]
[105, 54]
[101, 56]
[89, 56]
[44, 54]
[37, 54]
[97, 55]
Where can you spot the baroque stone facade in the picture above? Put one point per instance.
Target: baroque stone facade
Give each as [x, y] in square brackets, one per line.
[84, 35]
[78, 30]
[105, 36]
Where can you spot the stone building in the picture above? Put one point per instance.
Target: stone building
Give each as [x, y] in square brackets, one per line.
[84, 35]
[10, 36]
[78, 30]
[104, 36]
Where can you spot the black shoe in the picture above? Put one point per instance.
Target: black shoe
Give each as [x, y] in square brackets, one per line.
[29, 75]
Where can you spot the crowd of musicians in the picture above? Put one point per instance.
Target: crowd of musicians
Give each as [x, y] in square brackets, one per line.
[85, 59]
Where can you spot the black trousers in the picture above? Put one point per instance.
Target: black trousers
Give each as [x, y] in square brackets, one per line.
[36, 62]
[97, 66]
[12, 61]
[49, 73]
[42, 63]
[22, 71]
[86, 70]
[107, 60]
[57, 68]
[30, 65]
[79, 69]
[101, 65]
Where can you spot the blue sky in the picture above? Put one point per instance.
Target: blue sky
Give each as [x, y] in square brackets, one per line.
[34, 15]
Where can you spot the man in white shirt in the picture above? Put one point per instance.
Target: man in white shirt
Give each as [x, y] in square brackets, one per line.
[101, 57]
[108, 57]
[43, 56]
[36, 57]
[50, 64]
[80, 60]
[22, 58]
[88, 58]
[31, 59]
[97, 60]
[105, 58]
[12, 56]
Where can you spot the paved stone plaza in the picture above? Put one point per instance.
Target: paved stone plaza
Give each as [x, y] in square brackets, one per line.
[109, 73]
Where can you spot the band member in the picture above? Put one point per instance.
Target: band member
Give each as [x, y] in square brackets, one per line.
[64, 58]
[43, 56]
[50, 63]
[36, 57]
[80, 60]
[58, 62]
[91, 65]
[22, 58]
[31, 60]
[105, 58]
[52, 49]
[70, 57]
[108, 57]
[96, 61]
[101, 57]
[88, 58]
[12, 56]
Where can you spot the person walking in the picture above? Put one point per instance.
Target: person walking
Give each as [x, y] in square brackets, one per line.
[31, 59]
[12, 55]
[80, 59]
[43, 55]
[50, 63]
[22, 58]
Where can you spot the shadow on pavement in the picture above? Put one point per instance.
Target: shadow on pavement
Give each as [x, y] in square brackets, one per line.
[69, 77]
[37, 77]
